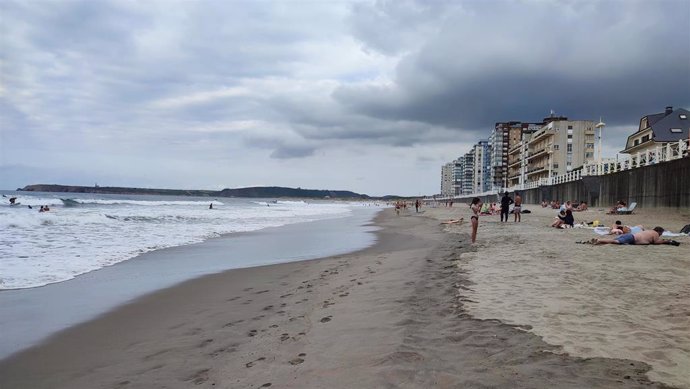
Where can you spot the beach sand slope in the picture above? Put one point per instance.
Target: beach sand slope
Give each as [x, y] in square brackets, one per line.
[390, 316]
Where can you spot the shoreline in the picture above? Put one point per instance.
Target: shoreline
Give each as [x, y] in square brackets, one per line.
[390, 315]
[32, 314]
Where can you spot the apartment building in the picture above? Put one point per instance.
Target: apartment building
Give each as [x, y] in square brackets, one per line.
[559, 146]
[447, 179]
[481, 166]
[463, 174]
[659, 129]
[517, 155]
[504, 138]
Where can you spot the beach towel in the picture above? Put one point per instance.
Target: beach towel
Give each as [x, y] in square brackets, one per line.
[602, 230]
[672, 234]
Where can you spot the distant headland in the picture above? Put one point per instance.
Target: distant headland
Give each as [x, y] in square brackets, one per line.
[251, 192]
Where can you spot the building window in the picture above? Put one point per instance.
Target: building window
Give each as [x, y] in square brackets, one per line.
[570, 131]
[683, 117]
[645, 138]
[676, 130]
[637, 142]
[570, 136]
[589, 155]
[570, 127]
[555, 166]
[570, 148]
[555, 147]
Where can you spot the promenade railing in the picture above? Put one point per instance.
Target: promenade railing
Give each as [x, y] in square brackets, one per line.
[665, 153]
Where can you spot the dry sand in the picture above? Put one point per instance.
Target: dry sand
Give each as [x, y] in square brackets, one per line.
[595, 301]
[391, 316]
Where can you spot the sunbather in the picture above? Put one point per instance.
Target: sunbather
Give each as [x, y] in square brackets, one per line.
[640, 238]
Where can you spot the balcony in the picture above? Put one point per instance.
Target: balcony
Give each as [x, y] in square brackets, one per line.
[538, 153]
[536, 170]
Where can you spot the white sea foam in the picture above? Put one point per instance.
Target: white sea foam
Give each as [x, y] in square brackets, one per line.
[91, 231]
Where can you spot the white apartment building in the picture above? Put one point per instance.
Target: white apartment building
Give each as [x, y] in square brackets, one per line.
[560, 146]
[481, 167]
[447, 179]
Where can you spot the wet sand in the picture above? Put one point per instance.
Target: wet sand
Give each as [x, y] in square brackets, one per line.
[393, 315]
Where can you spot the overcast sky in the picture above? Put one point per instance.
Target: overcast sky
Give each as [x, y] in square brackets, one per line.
[368, 96]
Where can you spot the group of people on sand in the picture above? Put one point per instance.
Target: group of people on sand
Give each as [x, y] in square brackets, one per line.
[476, 207]
[401, 205]
[620, 206]
[568, 205]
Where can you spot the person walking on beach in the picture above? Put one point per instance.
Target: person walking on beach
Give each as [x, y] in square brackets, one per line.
[517, 209]
[416, 205]
[505, 206]
[476, 207]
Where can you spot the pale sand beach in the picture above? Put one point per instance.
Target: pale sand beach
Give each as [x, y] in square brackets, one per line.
[594, 301]
[397, 315]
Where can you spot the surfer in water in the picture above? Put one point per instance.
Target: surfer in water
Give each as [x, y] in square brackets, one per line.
[12, 200]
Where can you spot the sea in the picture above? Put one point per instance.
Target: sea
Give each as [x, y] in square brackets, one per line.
[93, 252]
[86, 232]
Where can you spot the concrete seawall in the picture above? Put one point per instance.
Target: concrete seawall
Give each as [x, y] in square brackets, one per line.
[665, 184]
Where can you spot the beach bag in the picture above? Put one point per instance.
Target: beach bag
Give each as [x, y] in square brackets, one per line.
[526, 211]
[686, 229]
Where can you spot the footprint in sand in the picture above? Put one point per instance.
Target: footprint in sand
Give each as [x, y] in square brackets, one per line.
[247, 289]
[325, 319]
[284, 337]
[234, 298]
[252, 333]
[232, 323]
[273, 326]
[223, 350]
[199, 377]
[283, 305]
[286, 295]
[252, 363]
[296, 361]
[262, 291]
[344, 294]
[205, 343]
[255, 318]
[268, 307]
[266, 385]
[247, 302]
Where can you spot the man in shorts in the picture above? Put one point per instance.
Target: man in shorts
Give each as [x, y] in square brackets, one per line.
[517, 209]
[640, 238]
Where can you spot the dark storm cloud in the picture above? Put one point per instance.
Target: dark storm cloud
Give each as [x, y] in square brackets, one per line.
[498, 61]
[243, 82]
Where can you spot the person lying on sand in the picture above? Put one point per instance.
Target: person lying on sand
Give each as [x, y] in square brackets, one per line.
[640, 238]
[619, 228]
[453, 221]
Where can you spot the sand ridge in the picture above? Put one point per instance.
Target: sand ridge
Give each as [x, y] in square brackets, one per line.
[390, 316]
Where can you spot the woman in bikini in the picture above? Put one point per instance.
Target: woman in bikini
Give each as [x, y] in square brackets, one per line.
[476, 207]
